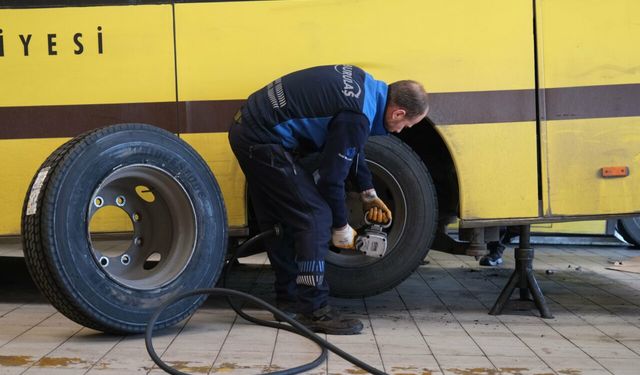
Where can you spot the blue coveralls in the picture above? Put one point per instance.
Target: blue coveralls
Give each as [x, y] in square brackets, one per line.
[329, 110]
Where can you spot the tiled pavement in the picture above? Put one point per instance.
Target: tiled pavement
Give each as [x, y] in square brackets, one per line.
[436, 322]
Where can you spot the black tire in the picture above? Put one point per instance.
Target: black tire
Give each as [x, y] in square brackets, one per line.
[185, 226]
[629, 229]
[403, 182]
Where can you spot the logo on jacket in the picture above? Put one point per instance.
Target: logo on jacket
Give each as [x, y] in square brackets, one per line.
[350, 88]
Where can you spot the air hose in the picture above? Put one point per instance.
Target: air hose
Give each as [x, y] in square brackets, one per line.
[295, 327]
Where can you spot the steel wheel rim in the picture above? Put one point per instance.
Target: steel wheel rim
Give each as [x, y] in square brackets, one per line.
[390, 191]
[163, 228]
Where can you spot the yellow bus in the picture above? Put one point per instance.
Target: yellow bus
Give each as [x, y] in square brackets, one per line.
[534, 114]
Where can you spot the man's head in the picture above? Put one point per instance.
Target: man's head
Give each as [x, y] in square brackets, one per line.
[407, 104]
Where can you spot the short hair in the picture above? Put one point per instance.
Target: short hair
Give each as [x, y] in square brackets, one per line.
[410, 96]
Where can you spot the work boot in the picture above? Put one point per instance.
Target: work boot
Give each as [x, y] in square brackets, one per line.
[494, 258]
[331, 322]
[288, 307]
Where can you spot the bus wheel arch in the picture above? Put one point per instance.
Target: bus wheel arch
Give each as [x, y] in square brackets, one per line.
[428, 143]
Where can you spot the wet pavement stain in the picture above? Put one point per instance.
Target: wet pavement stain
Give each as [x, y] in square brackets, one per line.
[513, 370]
[410, 370]
[356, 371]
[272, 368]
[230, 366]
[488, 371]
[185, 367]
[404, 368]
[227, 367]
[101, 366]
[59, 362]
[570, 371]
[15, 360]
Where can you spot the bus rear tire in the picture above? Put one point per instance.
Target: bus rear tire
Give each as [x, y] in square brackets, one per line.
[403, 182]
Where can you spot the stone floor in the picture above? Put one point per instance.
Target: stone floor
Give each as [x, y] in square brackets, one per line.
[435, 322]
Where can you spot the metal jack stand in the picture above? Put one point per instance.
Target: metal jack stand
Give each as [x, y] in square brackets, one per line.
[523, 278]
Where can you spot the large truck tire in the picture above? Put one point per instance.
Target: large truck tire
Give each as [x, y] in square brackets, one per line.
[403, 182]
[629, 229]
[177, 214]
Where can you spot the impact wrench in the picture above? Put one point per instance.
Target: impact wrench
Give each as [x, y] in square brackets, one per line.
[295, 327]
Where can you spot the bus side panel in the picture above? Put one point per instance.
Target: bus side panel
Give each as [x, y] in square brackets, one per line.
[214, 149]
[20, 160]
[593, 227]
[67, 70]
[126, 55]
[497, 169]
[590, 83]
[227, 50]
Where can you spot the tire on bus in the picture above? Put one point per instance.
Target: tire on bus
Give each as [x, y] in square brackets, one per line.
[403, 182]
[629, 229]
[173, 204]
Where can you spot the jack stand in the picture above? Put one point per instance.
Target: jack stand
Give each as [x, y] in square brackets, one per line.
[523, 278]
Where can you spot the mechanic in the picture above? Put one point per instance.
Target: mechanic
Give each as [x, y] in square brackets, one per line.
[496, 248]
[330, 110]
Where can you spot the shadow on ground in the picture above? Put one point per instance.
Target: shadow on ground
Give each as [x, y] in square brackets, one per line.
[16, 285]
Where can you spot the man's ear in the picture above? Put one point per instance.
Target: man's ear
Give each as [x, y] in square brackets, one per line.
[399, 113]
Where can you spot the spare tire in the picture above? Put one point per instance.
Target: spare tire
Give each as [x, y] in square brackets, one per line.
[180, 220]
[403, 182]
[629, 229]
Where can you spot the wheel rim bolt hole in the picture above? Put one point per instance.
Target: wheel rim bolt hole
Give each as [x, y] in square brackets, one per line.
[125, 259]
[98, 201]
[137, 241]
[104, 261]
[136, 217]
[121, 201]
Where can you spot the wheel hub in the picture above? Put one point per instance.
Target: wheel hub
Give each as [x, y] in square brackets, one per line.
[164, 226]
[390, 191]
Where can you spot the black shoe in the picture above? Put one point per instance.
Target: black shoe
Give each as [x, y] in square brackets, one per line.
[331, 322]
[288, 307]
[494, 258]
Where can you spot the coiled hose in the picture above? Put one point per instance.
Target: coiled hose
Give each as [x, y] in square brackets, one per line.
[295, 326]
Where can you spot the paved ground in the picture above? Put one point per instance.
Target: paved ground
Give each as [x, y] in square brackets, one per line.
[436, 322]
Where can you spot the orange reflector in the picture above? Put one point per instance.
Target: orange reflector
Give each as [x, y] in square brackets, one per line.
[615, 171]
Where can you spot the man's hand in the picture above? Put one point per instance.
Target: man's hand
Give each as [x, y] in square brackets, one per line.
[377, 211]
[344, 238]
[377, 215]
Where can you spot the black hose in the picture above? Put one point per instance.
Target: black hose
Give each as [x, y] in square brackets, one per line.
[277, 232]
[295, 327]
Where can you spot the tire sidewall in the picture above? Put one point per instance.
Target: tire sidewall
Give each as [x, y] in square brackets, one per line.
[419, 224]
[69, 250]
[629, 228]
